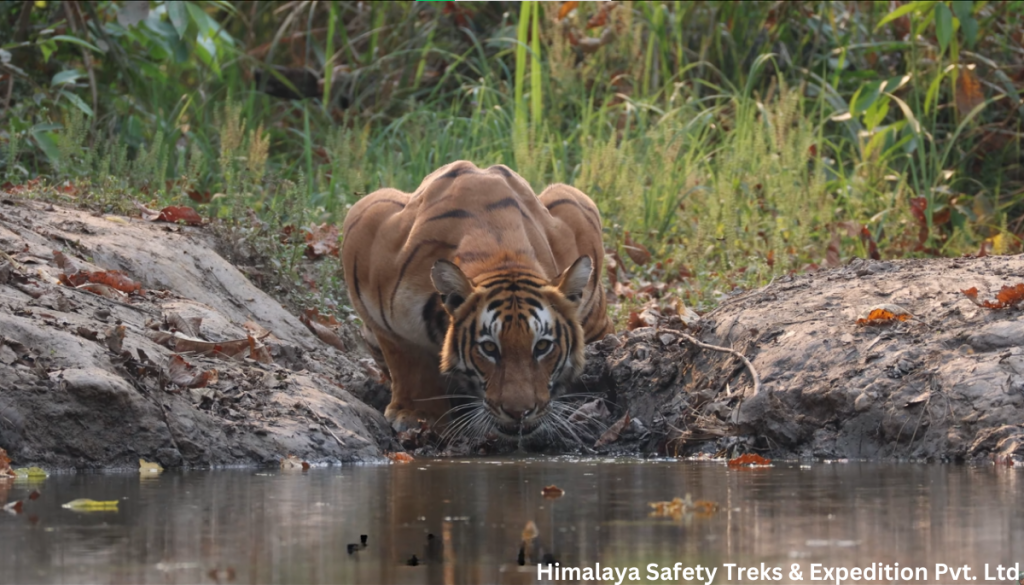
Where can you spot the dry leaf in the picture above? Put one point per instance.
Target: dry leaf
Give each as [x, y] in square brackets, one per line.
[883, 315]
[189, 326]
[613, 432]
[552, 492]
[968, 93]
[315, 323]
[1007, 297]
[114, 338]
[637, 252]
[400, 457]
[186, 375]
[595, 410]
[749, 460]
[173, 214]
[5, 465]
[322, 240]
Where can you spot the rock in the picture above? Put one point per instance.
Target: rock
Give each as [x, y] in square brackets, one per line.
[829, 386]
[67, 400]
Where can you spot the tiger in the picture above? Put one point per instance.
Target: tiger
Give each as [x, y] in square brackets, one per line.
[476, 281]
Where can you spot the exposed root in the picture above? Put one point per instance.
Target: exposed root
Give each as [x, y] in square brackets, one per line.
[746, 362]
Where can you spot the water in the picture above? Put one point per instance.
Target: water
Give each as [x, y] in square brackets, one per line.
[250, 526]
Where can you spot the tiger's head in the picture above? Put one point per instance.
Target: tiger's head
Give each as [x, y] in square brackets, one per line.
[516, 338]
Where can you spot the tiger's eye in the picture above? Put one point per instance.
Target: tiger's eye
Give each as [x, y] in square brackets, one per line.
[489, 347]
[541, 346]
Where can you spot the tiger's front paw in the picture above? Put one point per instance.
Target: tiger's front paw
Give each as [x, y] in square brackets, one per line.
[405, 419]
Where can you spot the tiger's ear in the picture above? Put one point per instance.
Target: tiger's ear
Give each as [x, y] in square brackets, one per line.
[572, 282]
[451, 282]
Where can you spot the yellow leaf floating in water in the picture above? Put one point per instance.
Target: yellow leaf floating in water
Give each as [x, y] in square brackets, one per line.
[30, 473]
[145, 467]
[87, 505]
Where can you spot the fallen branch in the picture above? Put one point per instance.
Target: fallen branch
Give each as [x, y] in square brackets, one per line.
[746, 362]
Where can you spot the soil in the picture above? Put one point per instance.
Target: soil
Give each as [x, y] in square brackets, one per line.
[71, 396]
[946, 384]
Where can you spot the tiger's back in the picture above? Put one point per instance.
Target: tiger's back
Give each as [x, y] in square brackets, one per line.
[486, 222]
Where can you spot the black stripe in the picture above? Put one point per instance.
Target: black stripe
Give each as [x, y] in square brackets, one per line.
[405, 265]
[380, 301]
[501, 170]
[453, 214]
[595, 221]
[355, 221]
[456, 173]
[355, 282]
[503, 203]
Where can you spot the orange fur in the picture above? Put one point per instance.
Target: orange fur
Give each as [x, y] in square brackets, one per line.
[490, 224]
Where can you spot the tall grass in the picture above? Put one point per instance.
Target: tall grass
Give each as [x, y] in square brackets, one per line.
[737, 141]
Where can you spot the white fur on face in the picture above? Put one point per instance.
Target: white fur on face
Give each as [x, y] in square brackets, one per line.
[489, 320]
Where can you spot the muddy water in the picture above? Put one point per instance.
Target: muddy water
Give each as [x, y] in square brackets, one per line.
[275, 527]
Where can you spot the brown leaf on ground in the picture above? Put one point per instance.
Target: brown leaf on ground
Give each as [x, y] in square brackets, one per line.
[186, 375]
[552, 492]
[595, 410]
[636, 251]
[180, 213]
[884, 315]
[5, 465]
[314, 315]
[114, 338]
[66, 264]
[322, 240]
[102, 290]
[323, 332]
[258, 351]
[749, 460]
[109, 278]
[189, 326]
[87, 333]
[613, 432]
[400, 457]
[968, 93]
[255, 329]
[1007, 297]
[181, 343]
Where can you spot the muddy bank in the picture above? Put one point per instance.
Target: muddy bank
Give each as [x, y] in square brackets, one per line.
[89, 381]
[92, 381]
[946, 384]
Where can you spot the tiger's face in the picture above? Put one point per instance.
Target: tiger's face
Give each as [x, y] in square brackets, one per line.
[516, 338]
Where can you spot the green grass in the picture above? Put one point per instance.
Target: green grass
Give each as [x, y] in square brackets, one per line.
[736, 142]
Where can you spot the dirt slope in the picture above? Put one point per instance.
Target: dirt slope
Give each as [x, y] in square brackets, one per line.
[70, 398]
[945, 385]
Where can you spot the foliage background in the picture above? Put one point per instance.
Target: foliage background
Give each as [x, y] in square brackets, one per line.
[725, 143]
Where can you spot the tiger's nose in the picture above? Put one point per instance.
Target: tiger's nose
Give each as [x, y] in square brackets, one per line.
[518, 412]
